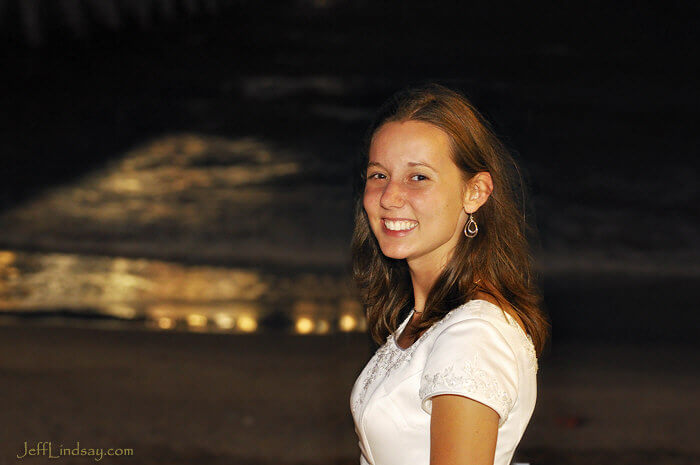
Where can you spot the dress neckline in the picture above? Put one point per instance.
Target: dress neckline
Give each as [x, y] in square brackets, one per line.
[396, 334]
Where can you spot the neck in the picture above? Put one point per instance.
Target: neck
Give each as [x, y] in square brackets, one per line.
[422, 281]
[425, 270]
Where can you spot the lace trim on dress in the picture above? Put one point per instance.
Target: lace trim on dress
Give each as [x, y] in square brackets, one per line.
[387, 358]
[466, 379]
[390, 356]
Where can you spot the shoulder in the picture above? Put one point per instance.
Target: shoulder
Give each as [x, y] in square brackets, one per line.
[480, 326]
[476, 313]
[472, 355]
[478, 352]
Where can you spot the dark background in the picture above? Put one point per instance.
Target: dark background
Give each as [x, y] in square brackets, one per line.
[598, 101]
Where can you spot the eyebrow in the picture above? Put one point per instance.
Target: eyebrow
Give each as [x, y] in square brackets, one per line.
[419, 163]
[410, 163]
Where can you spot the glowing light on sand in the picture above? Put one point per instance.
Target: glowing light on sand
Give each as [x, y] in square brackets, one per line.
[347, 323]
[122, 311]
[126, 184]
[247, 323]
[322, 326]
[304, 325]
[7, 257]
[224, 320]
[165, 323]
[196, 320]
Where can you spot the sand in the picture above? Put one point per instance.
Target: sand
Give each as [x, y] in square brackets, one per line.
[184, 398]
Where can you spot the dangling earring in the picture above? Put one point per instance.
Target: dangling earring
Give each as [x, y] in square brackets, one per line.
[471, 228]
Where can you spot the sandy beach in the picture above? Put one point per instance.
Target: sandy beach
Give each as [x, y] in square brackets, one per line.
[183, 398]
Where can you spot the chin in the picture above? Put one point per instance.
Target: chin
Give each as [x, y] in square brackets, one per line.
[395, 254]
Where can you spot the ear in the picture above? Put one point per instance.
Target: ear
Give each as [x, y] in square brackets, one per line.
[479, 188]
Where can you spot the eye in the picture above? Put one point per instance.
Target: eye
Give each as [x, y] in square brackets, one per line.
[376, 176]
[419, 176]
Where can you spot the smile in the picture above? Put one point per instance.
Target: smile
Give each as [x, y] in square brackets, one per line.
[400, 225]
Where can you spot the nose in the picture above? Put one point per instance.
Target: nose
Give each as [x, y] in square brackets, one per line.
[393, 195]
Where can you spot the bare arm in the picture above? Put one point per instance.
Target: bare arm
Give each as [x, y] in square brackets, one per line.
[462, 431]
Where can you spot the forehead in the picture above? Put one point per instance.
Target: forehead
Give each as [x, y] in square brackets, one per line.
[410, 142]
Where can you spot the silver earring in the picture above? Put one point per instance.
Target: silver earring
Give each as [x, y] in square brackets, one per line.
[471, 228]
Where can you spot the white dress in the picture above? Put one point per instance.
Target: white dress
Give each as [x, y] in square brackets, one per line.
[477, 351]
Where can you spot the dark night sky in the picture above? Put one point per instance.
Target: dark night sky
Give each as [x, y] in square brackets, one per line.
[71, 103]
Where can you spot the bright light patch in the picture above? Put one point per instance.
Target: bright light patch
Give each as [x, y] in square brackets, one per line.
[165, 323]
[247, 323]
[347, 323]
[122, 311]
[224, 320]
[196, 320]
[304, 325]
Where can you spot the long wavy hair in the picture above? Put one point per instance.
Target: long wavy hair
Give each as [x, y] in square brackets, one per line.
[497, 261]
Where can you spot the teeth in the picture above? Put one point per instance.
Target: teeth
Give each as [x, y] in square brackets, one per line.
[400, 225]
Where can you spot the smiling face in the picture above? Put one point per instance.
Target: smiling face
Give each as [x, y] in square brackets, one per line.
[414, 195]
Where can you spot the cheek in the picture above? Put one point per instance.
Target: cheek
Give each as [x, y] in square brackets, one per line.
[372, 193]
[368, 200]
[441, 208]
[426, 202]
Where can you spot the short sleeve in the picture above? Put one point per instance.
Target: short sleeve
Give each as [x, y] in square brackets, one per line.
[471, 358]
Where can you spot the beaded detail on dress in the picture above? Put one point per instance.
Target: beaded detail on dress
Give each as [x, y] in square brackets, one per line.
[467, 378]
[388, 357]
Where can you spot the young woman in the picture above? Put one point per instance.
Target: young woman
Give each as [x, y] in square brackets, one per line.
[441, 257]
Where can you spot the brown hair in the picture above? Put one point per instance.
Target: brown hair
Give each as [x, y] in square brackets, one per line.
[498, 258]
